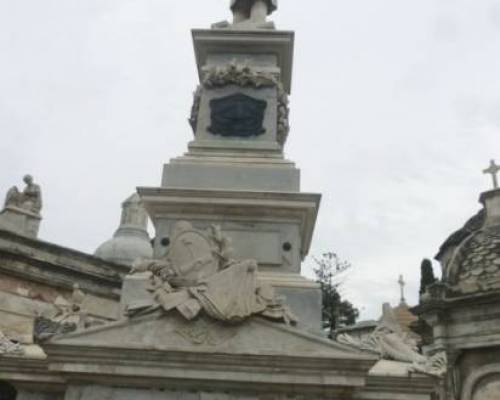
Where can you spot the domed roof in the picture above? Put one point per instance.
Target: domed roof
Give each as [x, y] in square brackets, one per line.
[474, 264]
[131, 241]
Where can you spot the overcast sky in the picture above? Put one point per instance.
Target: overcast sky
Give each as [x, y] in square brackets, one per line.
[395, 112]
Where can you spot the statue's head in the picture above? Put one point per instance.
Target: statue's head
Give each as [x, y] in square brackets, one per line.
[28, 179]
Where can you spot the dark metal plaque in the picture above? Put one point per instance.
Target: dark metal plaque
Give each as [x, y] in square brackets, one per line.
[237, 115]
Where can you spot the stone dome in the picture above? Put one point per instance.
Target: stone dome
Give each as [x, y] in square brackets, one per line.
[131, 240]
[473, 263]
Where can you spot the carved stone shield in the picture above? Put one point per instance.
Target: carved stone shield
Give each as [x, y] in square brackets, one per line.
[237, 115]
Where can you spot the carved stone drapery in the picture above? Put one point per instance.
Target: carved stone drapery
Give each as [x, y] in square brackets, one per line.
[243, 76]
[198, 274]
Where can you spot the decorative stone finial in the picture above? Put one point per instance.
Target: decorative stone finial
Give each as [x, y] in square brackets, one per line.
[131, 240]
[250, 14]
[402, 284]
[493, 170]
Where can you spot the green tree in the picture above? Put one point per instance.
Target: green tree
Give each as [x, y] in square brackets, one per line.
[426, 275]
[336, 312]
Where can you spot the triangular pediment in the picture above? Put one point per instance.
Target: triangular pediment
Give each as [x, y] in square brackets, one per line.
[160, 332]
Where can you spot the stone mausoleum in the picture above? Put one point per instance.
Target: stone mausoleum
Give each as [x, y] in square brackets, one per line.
[215, 307]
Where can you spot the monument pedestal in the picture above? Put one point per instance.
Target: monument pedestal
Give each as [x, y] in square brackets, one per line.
[273, 228]
[20, 221]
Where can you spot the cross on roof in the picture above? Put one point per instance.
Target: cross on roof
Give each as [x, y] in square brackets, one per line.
[493, 170]
[402, 283]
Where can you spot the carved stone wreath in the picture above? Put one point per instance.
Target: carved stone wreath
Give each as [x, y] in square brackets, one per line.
[244, 76]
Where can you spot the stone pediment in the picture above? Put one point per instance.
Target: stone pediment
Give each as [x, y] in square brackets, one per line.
[166, 351]
[160, 332]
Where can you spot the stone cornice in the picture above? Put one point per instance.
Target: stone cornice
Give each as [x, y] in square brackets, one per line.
[57, 266]
[272, 205]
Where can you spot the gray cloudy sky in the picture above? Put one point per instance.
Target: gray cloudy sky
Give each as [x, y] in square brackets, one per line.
[395, 112]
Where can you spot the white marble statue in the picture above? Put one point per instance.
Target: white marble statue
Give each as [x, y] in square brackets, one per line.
[250, 14]
[390, 342]
[30, 199]
[198, 274]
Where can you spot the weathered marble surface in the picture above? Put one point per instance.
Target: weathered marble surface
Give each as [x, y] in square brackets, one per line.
[109, 393]
[35, 395]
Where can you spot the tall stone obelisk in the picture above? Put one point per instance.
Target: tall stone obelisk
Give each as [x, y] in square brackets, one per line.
[235, 174]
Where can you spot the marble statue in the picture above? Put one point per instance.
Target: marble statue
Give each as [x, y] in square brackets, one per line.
[250, 14]
[30, 199]
[389, 341]
[198, 274]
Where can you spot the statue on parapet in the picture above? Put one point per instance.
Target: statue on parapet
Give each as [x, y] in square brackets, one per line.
[30, 199]
[250, 14]
[198, 274]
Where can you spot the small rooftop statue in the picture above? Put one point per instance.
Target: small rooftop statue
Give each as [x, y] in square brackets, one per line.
[30, 199]
[250, 14]
[21, 214]
[493, 170]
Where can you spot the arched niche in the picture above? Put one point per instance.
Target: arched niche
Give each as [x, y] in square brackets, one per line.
[483, 384]
[7, 391]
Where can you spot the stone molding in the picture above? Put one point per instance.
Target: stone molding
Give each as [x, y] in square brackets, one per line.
[475, 378]
[57, 266]
[273, 205]
[277, 43]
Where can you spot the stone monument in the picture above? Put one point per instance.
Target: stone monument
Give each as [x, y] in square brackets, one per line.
[21, 213]
[220, 311]
[235, 174]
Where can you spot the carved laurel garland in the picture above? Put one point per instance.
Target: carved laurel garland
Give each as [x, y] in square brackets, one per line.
[244, 76]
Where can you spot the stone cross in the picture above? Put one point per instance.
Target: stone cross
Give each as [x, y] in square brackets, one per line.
[493, 170]
[402, 284]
